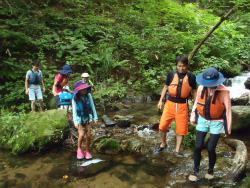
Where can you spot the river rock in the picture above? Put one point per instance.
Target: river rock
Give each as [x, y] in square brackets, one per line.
[122, 122]
[242, 100]
[108, 146]
[133, 146]
[108, 122]
[154, 122]
[247, 83]
[228, 82]
[38, 132]
[240, 117]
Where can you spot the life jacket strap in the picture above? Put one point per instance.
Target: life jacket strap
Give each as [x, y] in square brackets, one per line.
[216, 93]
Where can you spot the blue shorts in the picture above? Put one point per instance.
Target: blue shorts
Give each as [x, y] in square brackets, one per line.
[35, 93]
[214, 127]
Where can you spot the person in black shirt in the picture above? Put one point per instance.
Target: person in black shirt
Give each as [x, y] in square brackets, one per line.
[180, 84]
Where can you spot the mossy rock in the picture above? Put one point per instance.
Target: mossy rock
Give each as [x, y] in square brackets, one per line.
[108, 146]
[40, 131]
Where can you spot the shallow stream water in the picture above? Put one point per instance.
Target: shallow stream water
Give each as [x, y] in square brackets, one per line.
[59, 168]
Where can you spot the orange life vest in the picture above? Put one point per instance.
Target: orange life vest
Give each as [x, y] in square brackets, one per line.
[64, 82]
[179, 88]
[210, 107]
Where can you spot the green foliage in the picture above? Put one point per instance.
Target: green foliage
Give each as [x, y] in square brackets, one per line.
[108, 91]
[123, 45]
[189, 140]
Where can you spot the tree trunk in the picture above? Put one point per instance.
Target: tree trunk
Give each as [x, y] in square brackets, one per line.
[240, 158]
[191, 55]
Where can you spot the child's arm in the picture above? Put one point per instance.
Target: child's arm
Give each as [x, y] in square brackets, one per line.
[92, 105]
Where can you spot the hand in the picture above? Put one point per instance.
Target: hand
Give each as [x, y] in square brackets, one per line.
[54, 93]
[26, 91]
[44, 90]
[193, 123]
[159, 104]
[96, 121]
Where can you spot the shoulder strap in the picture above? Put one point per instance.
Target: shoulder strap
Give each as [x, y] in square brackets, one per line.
[216, 93]
[203, 92]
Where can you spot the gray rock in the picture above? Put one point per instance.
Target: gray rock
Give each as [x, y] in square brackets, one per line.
[108, 122]
[123, 123]
[240, 117]
[242, 100]
[228, 82]
[247, 83]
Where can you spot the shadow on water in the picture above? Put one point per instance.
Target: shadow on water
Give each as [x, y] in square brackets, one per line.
[59, 168]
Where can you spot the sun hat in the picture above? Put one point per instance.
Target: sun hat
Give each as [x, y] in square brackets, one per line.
[85, 75]
[80, 85]
[211, 77]
[66, 69]
[66, 88]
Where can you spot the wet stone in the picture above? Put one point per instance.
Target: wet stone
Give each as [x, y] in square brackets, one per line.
[20, 176]
[11, 182]
[2, 167]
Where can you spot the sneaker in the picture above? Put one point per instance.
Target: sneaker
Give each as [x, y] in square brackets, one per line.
[80, 154]
[87, 155]
[209, 176]
[193, 177]
[159, 149]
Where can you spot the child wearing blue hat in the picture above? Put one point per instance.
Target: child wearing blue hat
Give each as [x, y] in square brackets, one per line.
[60, 81]
[212, 109]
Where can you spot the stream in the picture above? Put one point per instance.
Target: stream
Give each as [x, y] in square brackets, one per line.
[59, 167]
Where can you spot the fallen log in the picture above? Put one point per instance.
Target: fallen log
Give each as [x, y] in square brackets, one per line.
[239, 162]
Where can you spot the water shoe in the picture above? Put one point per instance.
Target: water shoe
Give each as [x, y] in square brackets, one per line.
[193, 177]
[87, 155]
[80, 154]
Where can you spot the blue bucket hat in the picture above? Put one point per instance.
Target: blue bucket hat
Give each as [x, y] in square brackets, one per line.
[211, 77]
[66, 69]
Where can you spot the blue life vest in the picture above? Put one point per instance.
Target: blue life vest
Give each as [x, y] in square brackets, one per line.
[65, 98]
[83, 108]
[35, 78]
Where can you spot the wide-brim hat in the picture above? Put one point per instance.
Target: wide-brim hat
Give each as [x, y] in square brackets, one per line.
[85, 75]
[211, 77]
[66, 69]
[80, 85]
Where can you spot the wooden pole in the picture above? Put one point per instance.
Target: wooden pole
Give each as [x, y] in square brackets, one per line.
[191, 55]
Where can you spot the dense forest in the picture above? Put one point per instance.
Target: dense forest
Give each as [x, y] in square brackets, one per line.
[126, 46]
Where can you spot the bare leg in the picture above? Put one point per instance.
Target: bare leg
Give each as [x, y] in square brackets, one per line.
[179, 139]
[33, 105]
[41, 105]
[163, 135]
[88, 135]
[80, 136]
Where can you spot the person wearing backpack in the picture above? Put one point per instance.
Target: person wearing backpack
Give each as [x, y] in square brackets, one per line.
[32, 86]
[83, 107]
[60, 81]
[65, 101]
[180, 84]
[212, 109]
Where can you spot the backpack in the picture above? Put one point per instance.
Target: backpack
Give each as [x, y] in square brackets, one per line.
[35, 78]
[65, 98]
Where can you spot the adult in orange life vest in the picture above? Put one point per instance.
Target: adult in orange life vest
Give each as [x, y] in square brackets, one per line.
[180, 84]
[212, 109]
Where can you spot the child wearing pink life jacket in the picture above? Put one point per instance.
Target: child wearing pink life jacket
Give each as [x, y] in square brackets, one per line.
[212, 109]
